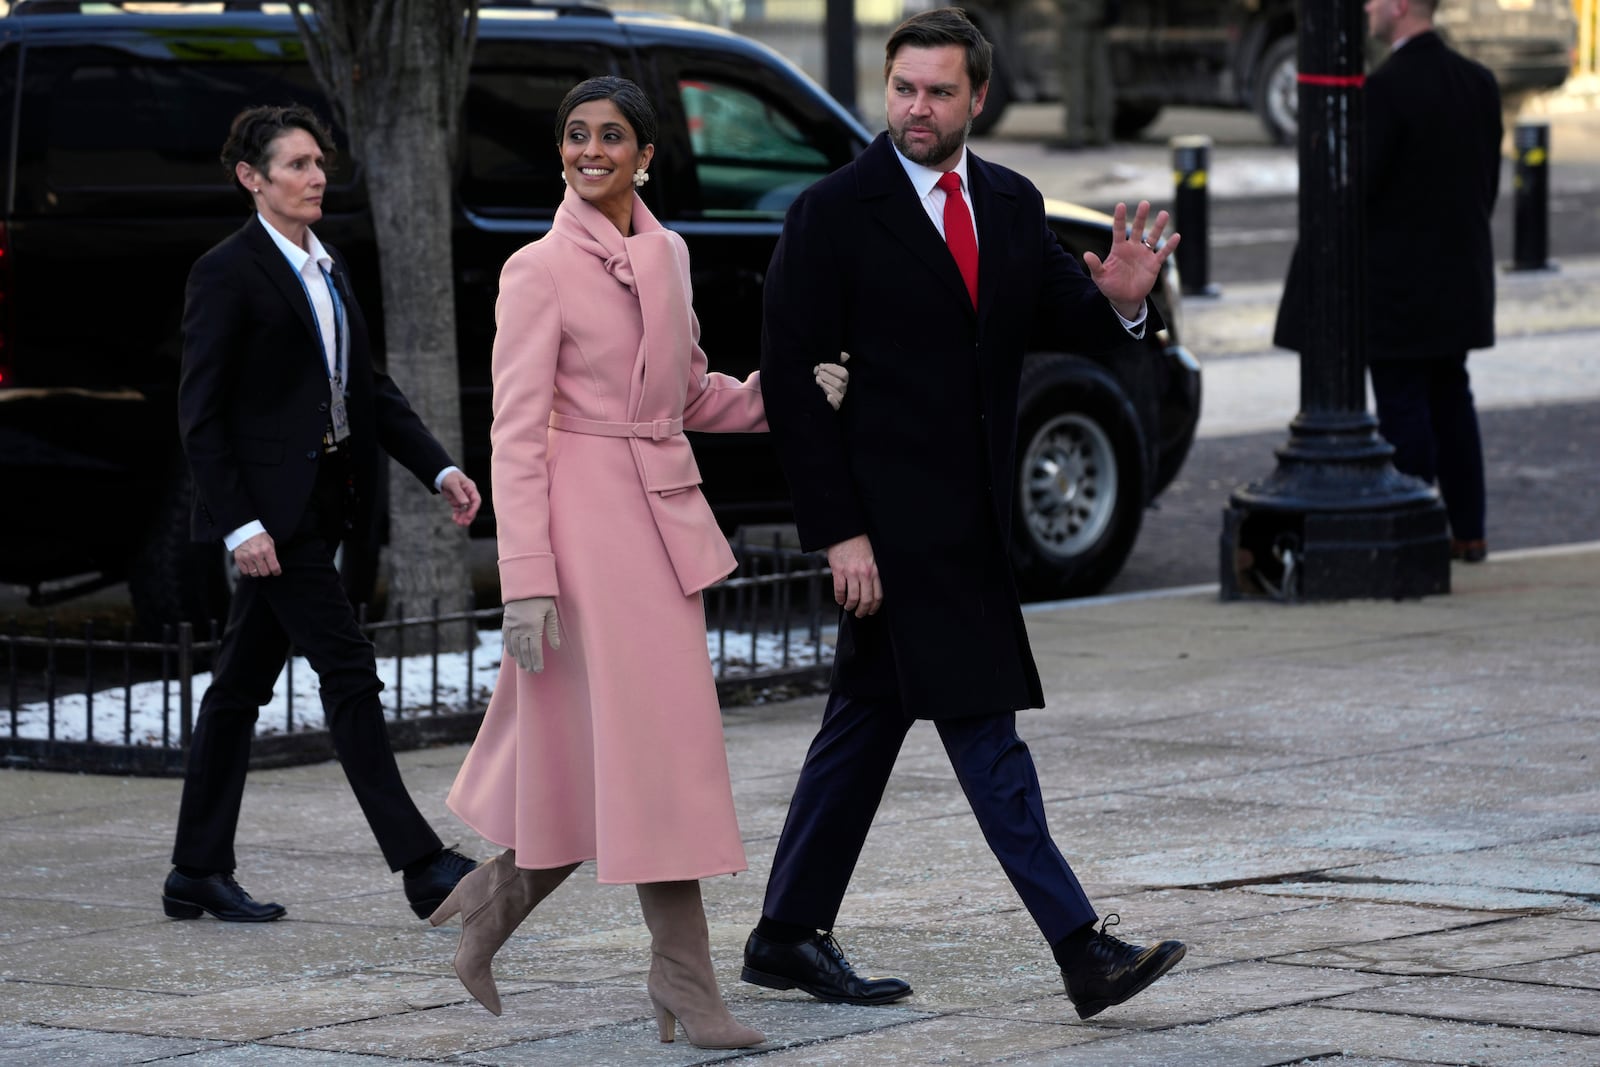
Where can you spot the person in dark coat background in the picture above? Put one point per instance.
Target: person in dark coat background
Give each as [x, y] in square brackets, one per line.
[909, 489]
[1433, 172]
[283, 414]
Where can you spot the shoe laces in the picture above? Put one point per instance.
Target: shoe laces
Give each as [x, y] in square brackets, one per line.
[1113, 919]
[828, 943]
[454, 862]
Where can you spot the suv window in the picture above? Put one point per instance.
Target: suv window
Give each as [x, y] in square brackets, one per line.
[117, 125]
[750, 157]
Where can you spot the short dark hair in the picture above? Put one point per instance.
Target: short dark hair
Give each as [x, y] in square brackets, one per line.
[636, 108]
[255, 128]
[939, 27]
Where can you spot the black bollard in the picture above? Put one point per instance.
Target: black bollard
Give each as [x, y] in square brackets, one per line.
[1191, 166]
[1530, 239]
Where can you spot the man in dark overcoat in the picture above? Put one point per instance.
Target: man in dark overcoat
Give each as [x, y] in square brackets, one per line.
[1433, 131]
[934, 270]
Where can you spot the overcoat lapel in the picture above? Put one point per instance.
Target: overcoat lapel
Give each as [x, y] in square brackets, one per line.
[996, 212]
[892, 200]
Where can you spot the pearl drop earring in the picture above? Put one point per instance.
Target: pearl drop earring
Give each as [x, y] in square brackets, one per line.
[640, 176]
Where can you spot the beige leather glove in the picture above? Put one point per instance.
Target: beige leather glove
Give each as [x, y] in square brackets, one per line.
[834, 379]
[527, 625]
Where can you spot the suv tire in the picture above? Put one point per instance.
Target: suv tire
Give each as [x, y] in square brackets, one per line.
[1275, 98]
[1080, 474]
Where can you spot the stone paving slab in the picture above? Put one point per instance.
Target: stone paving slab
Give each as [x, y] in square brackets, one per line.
[1407, 1039]
[1430, 894]
[1481, 1000]
[38, 1046]
[1576, 972]
[796, 1033]
[1494, 943]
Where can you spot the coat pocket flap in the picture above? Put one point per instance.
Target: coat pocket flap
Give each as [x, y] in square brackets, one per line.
[667, 465]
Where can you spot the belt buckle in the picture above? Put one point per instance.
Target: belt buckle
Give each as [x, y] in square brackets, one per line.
[660, 429]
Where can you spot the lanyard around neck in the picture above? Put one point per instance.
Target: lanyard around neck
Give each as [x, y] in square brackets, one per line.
[341, 341]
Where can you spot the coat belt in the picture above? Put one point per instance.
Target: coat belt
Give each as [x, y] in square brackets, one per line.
[655, 430]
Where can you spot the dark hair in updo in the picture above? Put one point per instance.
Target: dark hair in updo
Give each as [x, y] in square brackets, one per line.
[636, 108]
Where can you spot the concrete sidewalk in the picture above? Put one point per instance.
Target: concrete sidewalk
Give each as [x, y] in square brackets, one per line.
[1377, 825]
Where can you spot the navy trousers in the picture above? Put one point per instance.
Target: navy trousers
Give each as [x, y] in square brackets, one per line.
[842, 784]
[305, 605]
[1425, 411]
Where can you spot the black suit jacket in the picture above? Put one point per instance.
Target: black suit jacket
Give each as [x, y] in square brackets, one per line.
[920, 455]
[253, 396]
[1433, 131]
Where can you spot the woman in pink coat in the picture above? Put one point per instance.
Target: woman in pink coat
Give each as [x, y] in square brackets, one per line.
[610, 746]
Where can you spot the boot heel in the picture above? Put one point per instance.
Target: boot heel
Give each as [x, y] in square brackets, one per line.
[448, 909]
[666, 1022]
[177, 909]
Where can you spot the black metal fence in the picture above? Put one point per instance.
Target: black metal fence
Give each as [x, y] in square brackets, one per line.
[113, 703]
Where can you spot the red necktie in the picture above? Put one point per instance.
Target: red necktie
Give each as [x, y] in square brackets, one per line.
[958, 232]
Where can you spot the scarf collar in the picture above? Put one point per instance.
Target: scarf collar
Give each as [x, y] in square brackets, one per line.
[588, 227]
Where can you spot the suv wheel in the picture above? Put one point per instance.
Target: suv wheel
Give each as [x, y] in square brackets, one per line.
[1130, 120]
[1080, 480]
[1277, 95]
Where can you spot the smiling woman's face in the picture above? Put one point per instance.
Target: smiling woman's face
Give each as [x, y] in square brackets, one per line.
[599, 155]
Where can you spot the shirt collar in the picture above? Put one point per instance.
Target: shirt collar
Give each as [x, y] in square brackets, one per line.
[296, 255]
[923, 179]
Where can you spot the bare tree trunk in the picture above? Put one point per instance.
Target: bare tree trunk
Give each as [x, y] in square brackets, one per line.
[397, 70]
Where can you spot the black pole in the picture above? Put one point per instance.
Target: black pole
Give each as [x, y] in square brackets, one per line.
[1191, 215]
[1334, 520]
[840, 54]
[1531, 216]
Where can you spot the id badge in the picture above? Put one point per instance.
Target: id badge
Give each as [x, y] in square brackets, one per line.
[338, 414]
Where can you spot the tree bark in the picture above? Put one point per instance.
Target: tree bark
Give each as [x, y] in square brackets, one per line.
[396, 71]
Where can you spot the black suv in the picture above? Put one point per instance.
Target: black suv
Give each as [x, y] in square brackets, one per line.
[111, 122]
[1241, 53]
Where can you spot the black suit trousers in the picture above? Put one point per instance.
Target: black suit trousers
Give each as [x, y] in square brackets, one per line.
[842, 784]
[305, 606]
[1425, 411]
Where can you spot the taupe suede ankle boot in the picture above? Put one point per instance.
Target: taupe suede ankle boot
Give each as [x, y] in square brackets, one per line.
[492, 901]
[682, 985]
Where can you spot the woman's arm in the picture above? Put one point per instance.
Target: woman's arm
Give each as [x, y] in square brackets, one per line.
[526, 345]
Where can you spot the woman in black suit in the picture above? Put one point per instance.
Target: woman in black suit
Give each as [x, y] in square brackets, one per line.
[282, 415]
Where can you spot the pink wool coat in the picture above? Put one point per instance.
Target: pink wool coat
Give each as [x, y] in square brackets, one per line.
[614, 752]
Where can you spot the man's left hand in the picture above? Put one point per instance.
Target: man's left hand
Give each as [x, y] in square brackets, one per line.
[1131, 268]
[463, 496]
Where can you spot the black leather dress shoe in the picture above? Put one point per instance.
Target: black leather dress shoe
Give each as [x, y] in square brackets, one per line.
[1110, 970]
[216, 894]
[427, 890]
[816, 965]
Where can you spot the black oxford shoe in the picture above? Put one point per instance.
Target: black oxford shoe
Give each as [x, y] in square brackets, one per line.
[816, 965]
[427, 890]
[216, 894]
[1110, 970]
